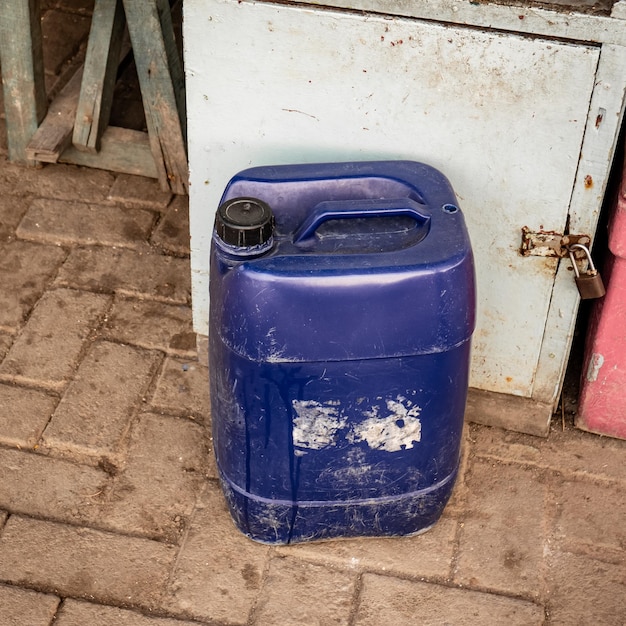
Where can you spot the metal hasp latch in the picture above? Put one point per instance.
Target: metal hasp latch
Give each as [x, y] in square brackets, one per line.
[551, 244]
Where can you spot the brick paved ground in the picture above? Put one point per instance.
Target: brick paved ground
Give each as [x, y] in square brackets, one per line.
[110, 512]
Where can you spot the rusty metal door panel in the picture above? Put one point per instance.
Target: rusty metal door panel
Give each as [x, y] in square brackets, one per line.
[502, 116]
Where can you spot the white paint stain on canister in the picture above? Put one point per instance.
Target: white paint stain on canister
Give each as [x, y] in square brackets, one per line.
[316, 424]
[400, 429]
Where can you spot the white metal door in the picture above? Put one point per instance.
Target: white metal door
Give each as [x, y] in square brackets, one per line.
[501, 115]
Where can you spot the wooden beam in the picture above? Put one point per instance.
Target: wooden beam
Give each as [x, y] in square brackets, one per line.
[54, 134]
[25, 101]
[177, 74]
[121, 150]
[100, 73]
[161, 82]
[502, 410]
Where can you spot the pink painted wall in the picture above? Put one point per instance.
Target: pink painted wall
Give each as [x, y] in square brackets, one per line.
[602, 402]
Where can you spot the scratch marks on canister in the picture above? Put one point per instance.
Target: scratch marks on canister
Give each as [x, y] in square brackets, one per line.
[400, 429]
[391, 427]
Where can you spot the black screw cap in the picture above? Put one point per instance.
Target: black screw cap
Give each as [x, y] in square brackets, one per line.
[244, 222]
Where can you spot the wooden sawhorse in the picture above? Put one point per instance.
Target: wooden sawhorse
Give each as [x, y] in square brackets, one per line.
[74, 127]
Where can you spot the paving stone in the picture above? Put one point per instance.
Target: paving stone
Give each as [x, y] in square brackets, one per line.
[25, 270]
[202, 348]
[65, 182]
[502, 538]
[591, 515]
[571, 451]
[12, 209]
[6, 341]
[139, 191]
[152, 325]
[429, 554]
[78, 613]
[172, 233]
[458, 500]
[183, 389]
[394, 601]
[219, 571]
[64, 222]
[22, 607]
[84, 563]
[95, 413]
[163, 476]
[40, 486]
[47, 351]
[62, 34]
[24, 414]
[140, 273]
[585, 591]
[4, 144]
[297, 593]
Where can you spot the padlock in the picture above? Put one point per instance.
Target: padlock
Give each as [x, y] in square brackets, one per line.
[590, 283]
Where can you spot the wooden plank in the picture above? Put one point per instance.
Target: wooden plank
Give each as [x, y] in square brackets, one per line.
[160, 79]
[173, 60]
[502, 410]
[121, 150]
[101, 62]
[54, 134]
[21, 53]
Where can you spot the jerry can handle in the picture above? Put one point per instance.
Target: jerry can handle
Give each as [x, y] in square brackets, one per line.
[371, 207]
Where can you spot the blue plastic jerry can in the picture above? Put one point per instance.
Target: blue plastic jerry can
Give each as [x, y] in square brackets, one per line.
[342, 304]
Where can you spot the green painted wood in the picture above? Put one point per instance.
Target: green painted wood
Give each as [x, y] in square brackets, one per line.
[100, 72]
[177, 74]
[54, 134]
[121, 150]
[21, 56]
[161, 81]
